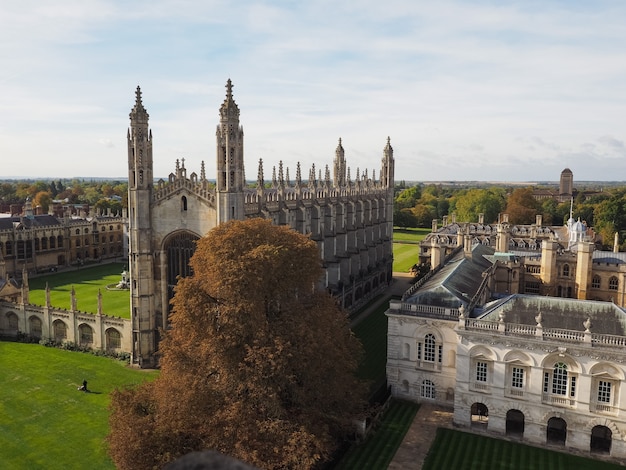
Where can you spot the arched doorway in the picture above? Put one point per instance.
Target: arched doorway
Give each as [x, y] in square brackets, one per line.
[480, 415]
[601, 438]
[557, 431]
[514, 423]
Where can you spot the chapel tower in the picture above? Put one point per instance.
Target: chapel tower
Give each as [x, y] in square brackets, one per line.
[140, 169]
[230, 170]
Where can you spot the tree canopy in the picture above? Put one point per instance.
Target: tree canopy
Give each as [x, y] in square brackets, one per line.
[258, 364]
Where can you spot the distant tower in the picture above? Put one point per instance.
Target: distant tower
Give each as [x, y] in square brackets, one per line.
[566, 185]
[230, 169]
[140, 235]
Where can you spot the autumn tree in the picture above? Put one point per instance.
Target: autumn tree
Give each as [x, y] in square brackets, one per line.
[522, 206]
[258, 363]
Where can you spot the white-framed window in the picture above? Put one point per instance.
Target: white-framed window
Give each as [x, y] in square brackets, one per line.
[481, 371]
[604, 391]
[517, 377]
[559, 385]
[427, 389]
[429, 347]
[429, 352]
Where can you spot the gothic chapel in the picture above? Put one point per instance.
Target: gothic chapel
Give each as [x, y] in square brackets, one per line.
[351, 220]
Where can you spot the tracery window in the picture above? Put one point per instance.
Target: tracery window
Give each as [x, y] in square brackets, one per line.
[595, 282]
[613, 283]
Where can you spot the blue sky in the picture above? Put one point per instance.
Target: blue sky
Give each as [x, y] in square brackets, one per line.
[467, 90]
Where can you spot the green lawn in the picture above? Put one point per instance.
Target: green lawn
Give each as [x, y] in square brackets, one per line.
[406, 247]
[473, 452]
[45, 422]
[404, 257]
[414, 235]
[86, 282]
[379, 448]
[372, 331]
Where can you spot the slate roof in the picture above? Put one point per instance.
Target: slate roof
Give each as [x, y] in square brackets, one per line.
[456, 282]
[557, 312]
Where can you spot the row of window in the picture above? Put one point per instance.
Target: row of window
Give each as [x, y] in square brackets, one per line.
[557, 382]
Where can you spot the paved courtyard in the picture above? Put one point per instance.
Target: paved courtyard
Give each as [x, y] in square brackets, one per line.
[420, 436]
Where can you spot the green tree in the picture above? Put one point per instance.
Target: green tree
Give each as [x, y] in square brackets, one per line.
[489, 202]
[257, 364]
[408, 197]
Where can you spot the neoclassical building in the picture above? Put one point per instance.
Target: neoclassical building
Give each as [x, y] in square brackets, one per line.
[528, 343]
[350, 219]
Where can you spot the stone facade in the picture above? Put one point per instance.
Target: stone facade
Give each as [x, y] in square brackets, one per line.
[545, 370]
[43, 243]
[351, 220]
[97, 331]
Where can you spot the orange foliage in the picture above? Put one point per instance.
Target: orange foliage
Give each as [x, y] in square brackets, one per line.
[258, 363]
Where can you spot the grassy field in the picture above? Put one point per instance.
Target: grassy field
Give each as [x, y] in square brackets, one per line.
[404, 257]
[86, 282]
[379, 448]
[472, 452]
[410, 235]
[406, 247]
[372, 331]
[45, 422]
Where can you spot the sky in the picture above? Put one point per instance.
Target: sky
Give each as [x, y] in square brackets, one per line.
[466, 90]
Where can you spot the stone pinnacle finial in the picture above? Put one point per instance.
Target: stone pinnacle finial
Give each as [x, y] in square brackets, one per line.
[229, 89]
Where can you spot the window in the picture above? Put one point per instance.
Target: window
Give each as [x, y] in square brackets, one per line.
[559, 385]
[604, 391]
[595, 282]
[517, 377]
[559, 379]
[532, 287]
[566, 270]
[613, 283]
[429, 348]
[427, 389]
[481, 371]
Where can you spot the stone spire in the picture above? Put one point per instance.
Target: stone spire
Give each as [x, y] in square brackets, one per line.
[202, 171]
[298, 175]
[138, 113]
[260, 183]
[229, 107]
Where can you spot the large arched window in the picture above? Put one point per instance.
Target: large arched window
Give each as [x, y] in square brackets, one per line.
[429, 348]
[113, 339]
[429, 352]
[613, 283]
[60, 330]
[559, 385]
[85, 333]
[179, 249]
